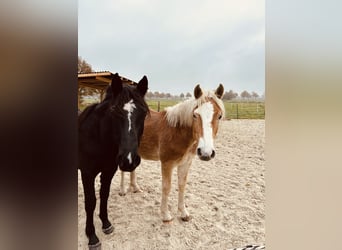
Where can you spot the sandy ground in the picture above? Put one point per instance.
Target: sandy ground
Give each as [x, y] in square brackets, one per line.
[225, 197]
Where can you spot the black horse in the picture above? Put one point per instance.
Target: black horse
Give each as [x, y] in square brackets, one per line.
[109, 136]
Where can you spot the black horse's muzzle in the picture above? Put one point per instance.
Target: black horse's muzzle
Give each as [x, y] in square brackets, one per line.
[128, 162]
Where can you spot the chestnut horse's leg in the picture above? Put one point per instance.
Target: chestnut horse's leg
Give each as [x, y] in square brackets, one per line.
[166, 187]
[182, 173]
[106, 179]
[90, 203]
[122, 191]
[134, 186]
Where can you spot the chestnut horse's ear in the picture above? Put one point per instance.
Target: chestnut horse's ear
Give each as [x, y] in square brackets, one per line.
[219, 91]
[198, 91]
[116, 84]
[143, 86]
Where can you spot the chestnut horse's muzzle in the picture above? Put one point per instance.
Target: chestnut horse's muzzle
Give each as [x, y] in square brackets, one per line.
[204, 156]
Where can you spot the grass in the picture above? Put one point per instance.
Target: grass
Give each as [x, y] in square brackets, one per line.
[234, 109]
[153, 104]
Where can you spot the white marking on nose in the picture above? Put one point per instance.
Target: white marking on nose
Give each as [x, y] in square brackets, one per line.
[129, 107]
[206, 143]
[129, 157]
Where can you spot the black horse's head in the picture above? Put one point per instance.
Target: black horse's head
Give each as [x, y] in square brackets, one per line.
[128, 110]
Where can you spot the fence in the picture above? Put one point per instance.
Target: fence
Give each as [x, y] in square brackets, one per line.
[234, 110]
[245, 110]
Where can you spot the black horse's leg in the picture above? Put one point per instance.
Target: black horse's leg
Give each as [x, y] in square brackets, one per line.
[90, 203]
[106, 179]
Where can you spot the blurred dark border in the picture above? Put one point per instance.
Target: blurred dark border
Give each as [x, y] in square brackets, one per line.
[38, 129]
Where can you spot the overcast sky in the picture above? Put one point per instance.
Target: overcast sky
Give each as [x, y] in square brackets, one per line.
[178, 43]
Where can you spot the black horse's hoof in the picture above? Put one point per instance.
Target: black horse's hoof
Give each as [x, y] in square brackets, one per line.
[96, 246]
[108, 230]
[94, 242]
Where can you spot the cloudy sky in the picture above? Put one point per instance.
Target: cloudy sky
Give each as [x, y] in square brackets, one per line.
[178, 43]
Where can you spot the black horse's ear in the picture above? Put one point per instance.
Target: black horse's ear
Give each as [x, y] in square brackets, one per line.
[219, 91]
[116, 84]
[198, 91]
[143, 86]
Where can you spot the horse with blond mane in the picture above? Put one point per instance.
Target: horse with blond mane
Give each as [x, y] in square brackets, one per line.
[174, 136]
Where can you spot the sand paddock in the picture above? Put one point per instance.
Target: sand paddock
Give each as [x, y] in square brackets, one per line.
[225, 198]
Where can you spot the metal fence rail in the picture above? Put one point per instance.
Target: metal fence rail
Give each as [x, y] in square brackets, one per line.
[245, 110]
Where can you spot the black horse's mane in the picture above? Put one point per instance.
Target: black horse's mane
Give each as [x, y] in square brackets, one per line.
[115, 106]
[84, 114]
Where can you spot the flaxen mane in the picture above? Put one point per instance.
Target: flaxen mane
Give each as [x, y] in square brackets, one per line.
[181, 114]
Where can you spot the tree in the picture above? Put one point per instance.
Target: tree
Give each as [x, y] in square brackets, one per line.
[245, 94]
[188, 95]
[181, 95]
[229, 95]
[149, 94]
[255, 95]
[83, 66]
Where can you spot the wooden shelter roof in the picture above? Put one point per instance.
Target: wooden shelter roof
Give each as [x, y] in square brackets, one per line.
[99, 80]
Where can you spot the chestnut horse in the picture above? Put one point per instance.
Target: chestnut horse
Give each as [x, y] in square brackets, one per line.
[175, 135]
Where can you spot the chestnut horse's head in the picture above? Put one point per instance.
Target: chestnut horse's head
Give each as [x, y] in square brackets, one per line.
[202, 114]
[206, 115]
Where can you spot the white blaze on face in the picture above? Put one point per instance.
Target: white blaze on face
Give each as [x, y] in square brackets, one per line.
[206, 142]
[129, 107]
[129, 158]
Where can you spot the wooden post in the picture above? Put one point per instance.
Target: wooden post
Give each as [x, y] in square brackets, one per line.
[78, 98]
[158, 106]
[237, 110]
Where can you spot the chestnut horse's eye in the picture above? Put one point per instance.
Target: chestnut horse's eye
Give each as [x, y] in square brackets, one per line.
[220, 117]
